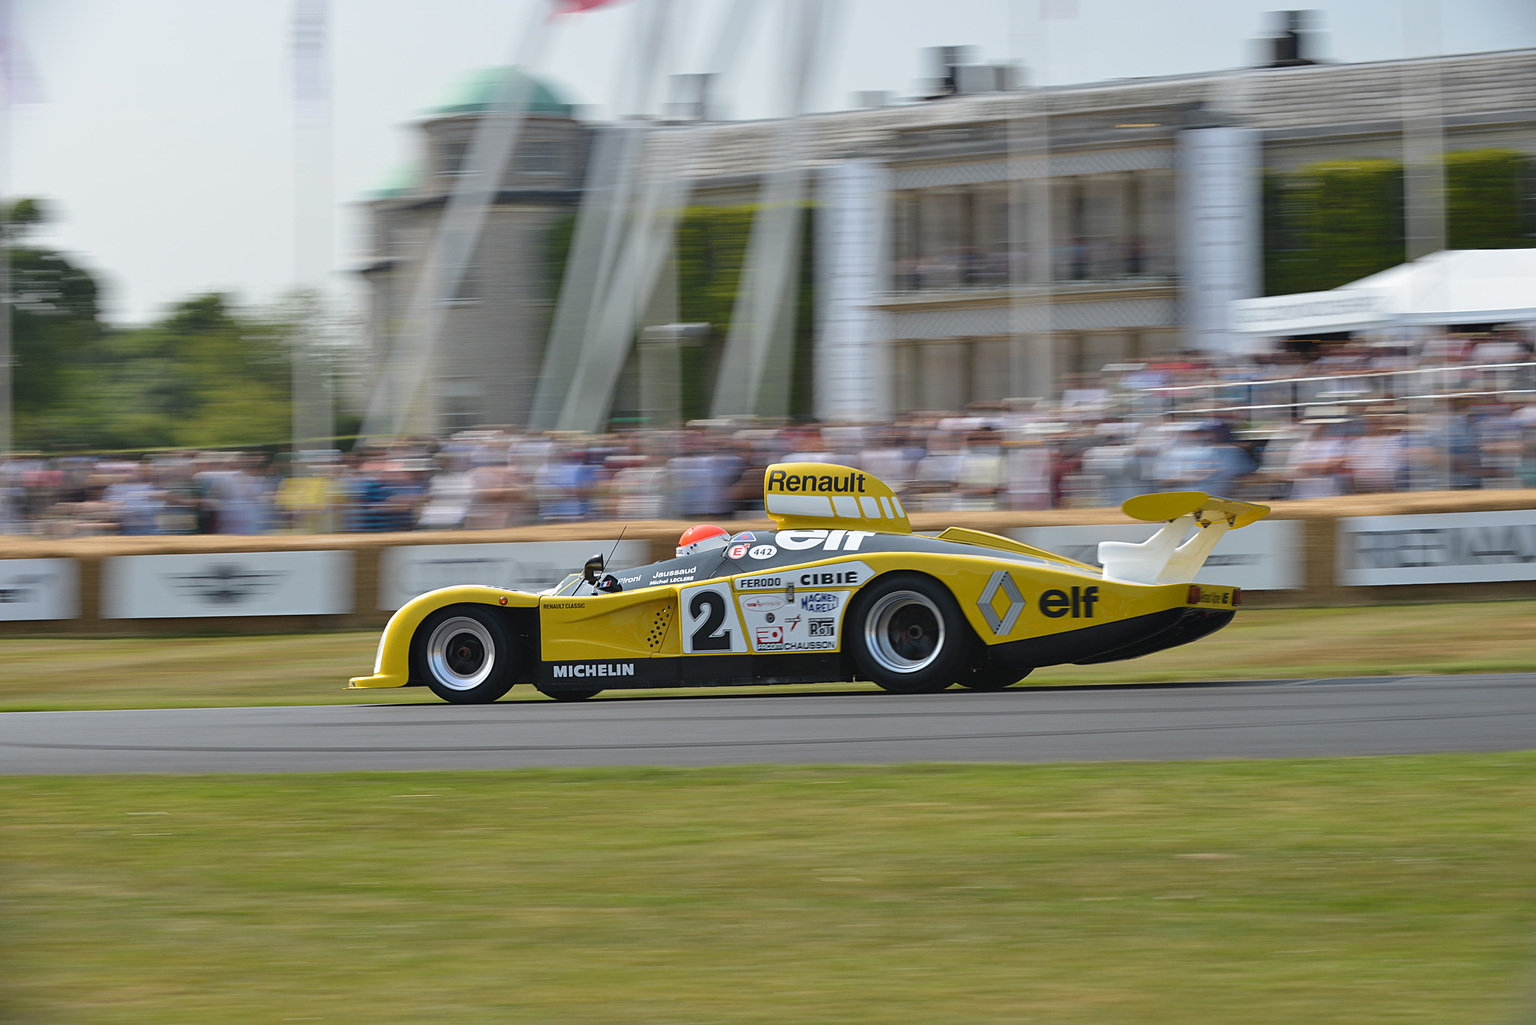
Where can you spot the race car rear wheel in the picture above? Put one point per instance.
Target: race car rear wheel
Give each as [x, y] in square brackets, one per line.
[465, 654]
[908, 635]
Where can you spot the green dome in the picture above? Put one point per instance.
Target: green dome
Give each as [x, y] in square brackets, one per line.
[477, 90]
[399, 182]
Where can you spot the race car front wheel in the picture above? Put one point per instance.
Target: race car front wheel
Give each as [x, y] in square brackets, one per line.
[465, 654]
[908, 635]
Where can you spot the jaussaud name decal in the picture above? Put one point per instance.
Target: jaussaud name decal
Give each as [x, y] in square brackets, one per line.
[596, 669]
[809, 483]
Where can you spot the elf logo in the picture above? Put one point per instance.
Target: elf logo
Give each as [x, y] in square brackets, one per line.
[1078, 603]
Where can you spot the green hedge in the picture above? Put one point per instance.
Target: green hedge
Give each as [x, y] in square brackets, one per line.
[1334, 222]
[1487, 201]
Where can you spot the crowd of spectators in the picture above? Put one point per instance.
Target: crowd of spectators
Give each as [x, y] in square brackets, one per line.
[1457, 413]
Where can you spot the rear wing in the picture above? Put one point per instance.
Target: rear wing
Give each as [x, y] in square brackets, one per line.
[1173, 554]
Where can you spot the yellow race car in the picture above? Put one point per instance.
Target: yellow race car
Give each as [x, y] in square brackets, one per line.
[842, 589]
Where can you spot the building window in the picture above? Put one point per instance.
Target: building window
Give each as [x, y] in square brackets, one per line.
[539, 156]
[469, 290]
[455, 153]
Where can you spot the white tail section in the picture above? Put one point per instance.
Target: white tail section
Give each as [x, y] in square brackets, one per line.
[1173, 554]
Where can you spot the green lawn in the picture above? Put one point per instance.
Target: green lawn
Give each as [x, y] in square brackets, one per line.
[1342, 891]
[166, 672]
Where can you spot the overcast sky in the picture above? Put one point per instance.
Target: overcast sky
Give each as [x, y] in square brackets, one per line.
[162, 131]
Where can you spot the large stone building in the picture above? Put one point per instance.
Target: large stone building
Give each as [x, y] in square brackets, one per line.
[1135, 205]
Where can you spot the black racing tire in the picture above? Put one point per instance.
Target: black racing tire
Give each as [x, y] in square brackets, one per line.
[908, 635]
[466, 654]
[993, 679]
[569, 693]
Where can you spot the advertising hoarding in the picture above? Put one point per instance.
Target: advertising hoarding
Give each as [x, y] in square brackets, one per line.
[1437, 548]
[226, 584]
[39, 589]
[409, 570]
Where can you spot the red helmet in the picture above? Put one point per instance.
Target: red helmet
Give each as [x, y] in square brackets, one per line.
[705, 537]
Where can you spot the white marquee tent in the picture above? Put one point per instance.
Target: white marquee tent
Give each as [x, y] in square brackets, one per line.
[1454, 286]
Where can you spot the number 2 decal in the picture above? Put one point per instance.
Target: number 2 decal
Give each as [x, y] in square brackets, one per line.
[709, 621]
[708, 636]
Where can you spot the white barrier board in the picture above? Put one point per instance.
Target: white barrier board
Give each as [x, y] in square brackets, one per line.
[1437, 548]
[410, 570]
[226, 584]
[34, 589]
[1263, 556]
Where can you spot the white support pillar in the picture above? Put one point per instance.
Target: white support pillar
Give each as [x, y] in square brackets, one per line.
[853, 378]
[1218, 232]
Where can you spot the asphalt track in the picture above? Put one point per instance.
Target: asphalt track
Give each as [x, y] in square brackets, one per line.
[1273, 719]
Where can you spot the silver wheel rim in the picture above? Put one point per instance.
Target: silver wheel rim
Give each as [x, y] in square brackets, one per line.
[460, 653]
[904, 632]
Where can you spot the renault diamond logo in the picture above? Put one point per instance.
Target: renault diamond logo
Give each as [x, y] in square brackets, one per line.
[1001, 580]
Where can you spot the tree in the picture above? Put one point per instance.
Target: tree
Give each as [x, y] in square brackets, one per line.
[205, 376]
[55, 333]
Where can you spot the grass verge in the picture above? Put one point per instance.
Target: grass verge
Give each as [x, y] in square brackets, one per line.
[1348, 890]
[312, 669]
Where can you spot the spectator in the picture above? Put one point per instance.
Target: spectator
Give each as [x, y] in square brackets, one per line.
[1318, 468]
[135, 501]
[1377, 460]
[979, 471]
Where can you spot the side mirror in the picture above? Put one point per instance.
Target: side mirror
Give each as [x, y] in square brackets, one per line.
[592, 572]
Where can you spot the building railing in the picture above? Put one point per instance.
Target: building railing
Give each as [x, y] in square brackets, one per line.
[1289, 398]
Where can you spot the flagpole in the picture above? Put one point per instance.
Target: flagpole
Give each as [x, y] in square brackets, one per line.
[8, 55]
[310, 395]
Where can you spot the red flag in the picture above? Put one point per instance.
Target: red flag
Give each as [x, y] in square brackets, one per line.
[577, 6]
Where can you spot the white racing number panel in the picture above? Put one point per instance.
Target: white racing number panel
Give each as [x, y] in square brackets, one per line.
[800, 609]
[710, 623]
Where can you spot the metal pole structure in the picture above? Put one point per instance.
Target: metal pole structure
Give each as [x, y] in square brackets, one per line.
[583, 269]
[611, 277]
[311, 393]
[7, 81]
[401, 398]
[1018, 219]
[1042, 360]
[1423, 132]
[661, 372]
[592, 331]
[755, 368]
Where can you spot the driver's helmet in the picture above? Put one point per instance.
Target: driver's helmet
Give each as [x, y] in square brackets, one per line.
[705, 537]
